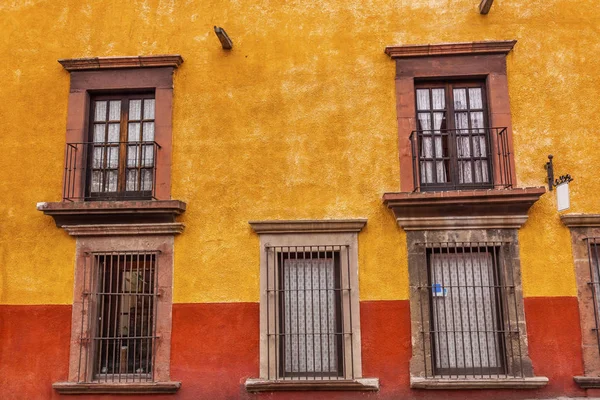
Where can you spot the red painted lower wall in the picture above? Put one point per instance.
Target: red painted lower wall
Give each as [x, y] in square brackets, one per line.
[34, 350]
[215, 348]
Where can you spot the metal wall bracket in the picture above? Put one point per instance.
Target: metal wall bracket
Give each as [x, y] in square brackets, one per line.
[226, 42]
[550, 170]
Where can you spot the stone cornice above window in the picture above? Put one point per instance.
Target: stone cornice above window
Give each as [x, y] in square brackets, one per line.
[463, 209]
[173, 228]
[450, 49]
[581, 220]
[95, 63]
[308, 226]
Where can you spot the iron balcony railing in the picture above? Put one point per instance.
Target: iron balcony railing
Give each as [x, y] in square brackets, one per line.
[110, 171]
[461, 159]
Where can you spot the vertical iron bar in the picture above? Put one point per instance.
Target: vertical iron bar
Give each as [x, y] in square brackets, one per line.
[445, 312]
[101, 317]
[297, 330]
[475, 300]
[268, 294]
[350, 330]
[420, 293]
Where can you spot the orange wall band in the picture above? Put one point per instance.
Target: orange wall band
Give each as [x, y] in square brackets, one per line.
[215, 348]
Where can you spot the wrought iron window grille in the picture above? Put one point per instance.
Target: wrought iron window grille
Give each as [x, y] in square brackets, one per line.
[309, 313]
[469, 318]
[118, 326]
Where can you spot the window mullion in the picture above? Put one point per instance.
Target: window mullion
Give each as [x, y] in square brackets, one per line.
[122, 175]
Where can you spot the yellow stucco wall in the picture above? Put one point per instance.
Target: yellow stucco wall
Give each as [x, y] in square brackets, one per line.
[298, 121]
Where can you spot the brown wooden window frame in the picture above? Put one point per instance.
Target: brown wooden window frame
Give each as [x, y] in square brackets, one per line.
[123, 147]
[449, 135]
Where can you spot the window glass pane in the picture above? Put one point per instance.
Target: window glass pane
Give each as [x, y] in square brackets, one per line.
[148, 135]
[133, 134]
[114, 131]
[475, 98]
[99, 131]
[149, 109]
[423, 99]
[132, 184]
[98, 157]
[112, 157]
[462, 121]
[135, 110]
[477, 120]
[146, 180]
[439, 121]
[147, 156]
[115, 110]
[439, 99]
[460, 99]
[111, 178]
[133, 156]
[100, 114]
[424, 121]
[96, 182]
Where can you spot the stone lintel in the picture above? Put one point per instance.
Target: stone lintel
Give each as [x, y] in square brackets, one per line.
[448, 49]
[173, 228]
[360, 384]
[486, 383]
[581, 220]
[96, 63]
[308, 226]
[116, 388]
[462, 222]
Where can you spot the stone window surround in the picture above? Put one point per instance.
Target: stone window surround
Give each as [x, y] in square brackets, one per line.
[583, 226]
[448, 61]
[310, 232]
[417, 262]
[105, 74]
[123, 237]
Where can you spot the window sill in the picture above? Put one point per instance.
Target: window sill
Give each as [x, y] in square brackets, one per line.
[116, 388]
[360, 384]
[587, 382]
[463, 209]
[107, 212]
[485, 383]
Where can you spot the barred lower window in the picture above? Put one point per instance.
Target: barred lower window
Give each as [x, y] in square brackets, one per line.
[120, 303]
[309, 315]
[470, 323]
[593, 247]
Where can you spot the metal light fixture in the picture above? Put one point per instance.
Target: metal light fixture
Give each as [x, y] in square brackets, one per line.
[223, 38]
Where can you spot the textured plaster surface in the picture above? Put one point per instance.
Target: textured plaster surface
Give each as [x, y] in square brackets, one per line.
[298, 121]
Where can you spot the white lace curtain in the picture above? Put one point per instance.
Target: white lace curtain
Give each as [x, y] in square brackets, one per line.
[309, 316]
[471, 142]
[464, 311]
[430, 121]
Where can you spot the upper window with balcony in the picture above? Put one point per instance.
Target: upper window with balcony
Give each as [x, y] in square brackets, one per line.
[451, 146]
[119, 157]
